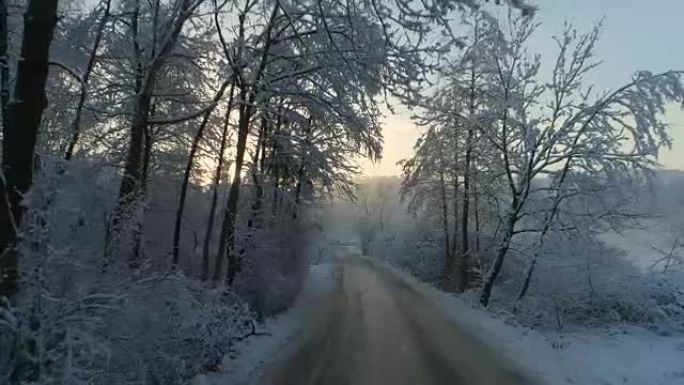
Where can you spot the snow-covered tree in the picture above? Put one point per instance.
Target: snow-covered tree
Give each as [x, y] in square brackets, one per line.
[451, 152]
[527, 152]
[580, 135]
[21, 121]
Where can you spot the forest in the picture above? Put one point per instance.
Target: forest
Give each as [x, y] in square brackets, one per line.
[172, 170]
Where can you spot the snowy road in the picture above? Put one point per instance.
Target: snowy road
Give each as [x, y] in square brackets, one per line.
[377, 330]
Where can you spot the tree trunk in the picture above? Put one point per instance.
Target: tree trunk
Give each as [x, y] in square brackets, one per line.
[129, 190]
[465, 241]
[448, 256]
[255, 218]
[76, 124]
[138, 233]
[132, 165]
[528, 279]
[456, 215]
[476, 212]
[298, 193]
[20, 132]
[301, 173]
[456, 188]
[274, 165]
[494, 271]
[146, 79]
[214, 191]
[227, 238]
[188, 170]
[548, 221]
[4, 63]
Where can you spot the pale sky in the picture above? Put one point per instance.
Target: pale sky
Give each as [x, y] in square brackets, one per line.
[637, 35]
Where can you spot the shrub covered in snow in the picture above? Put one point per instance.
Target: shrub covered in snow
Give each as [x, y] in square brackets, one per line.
[579, 280]
[84, 319]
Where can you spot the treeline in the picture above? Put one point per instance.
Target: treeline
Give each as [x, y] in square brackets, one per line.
[280, 94]
[159, 157]
[159, 161]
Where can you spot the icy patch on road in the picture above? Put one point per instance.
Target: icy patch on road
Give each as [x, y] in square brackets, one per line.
[584, 357]
[250, 356]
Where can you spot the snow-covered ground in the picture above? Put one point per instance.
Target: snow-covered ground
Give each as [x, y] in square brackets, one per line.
[585, 357]
[251, 355]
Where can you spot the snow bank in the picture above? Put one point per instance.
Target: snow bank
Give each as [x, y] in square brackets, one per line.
[586, 357]
[248, 358]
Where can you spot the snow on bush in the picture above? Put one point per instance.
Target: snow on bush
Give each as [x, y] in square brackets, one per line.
[274, 271]
[79, 320]
[579, 280]
[176, 330]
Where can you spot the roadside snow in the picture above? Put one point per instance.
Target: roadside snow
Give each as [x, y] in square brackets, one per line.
[585, 357]
[249, 356]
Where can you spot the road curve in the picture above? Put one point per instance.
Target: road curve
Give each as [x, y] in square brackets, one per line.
[377, 330]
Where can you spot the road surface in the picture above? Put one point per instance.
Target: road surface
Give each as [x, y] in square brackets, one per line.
[377, 330]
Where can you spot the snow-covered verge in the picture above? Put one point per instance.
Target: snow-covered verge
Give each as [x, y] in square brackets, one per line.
[90, 314]
[625, 355]
[248, 358]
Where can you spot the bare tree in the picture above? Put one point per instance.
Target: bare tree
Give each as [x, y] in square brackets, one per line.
[146, 76]
[85, 79]
[20, 131]
[424, 177]
[188, 169]
[573, 134]
[216, 182]
[4, 62]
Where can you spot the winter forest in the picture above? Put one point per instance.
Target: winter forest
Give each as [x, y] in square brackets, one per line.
[184, 197]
